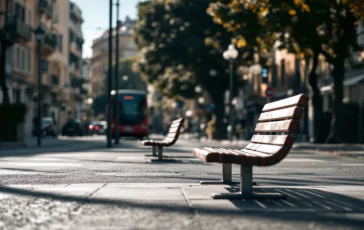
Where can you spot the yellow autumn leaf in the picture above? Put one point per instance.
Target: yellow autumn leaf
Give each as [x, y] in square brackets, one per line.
[241, 43]
[292, 12]
[305, 7]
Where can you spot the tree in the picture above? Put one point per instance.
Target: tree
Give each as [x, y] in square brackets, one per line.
[326, 27]
[133, 81]
[128, 78]
[179, 46]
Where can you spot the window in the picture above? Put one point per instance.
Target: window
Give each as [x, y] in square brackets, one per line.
[17, 96]
[29, 60]
[17, 57]
[19, 12]
[283, 72]
[22, 67]
[29, 17]
[60, 43]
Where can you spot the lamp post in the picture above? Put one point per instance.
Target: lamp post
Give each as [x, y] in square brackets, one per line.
[118, 23]
[39, 36]
[230, 54]
[109, 78]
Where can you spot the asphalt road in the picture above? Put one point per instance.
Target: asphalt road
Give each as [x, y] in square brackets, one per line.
[86, 160]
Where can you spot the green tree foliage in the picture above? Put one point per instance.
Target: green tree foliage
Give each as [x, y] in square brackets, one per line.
[179, 46]
[313, 27]
[133, 81]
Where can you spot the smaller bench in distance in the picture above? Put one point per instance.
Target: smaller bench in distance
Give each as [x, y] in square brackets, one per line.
[172, 137]
[277, 125]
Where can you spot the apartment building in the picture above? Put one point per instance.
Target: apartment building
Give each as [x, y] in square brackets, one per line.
[75, 61]
[99, 59]
[54, 17]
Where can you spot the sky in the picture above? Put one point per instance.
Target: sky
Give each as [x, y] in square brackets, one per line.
[96, 18]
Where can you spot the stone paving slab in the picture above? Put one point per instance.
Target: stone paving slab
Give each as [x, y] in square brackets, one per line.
[177, 206]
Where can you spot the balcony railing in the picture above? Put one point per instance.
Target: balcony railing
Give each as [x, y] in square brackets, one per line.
[75, 11]
[50, 39]
[46, 7]
[18, 29]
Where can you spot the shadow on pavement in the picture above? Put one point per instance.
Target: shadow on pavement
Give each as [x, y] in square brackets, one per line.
[60, 146]
[302, 205]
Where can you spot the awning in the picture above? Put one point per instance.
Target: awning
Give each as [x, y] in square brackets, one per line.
[353, 80]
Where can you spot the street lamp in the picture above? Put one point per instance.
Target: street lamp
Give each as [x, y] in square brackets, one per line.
[118, 23]
[39, 36]
[90, 101]
[230, 54]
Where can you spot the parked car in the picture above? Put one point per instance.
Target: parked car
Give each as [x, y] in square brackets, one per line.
[97, 128]
[73, 127]
[47, 127]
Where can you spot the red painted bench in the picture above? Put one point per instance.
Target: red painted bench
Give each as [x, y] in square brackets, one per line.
[277, 125]
[172, 137]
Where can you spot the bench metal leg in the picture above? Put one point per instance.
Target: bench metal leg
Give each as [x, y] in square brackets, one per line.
[226, 176]
[246, 188]
[160, 153]
[154, 150]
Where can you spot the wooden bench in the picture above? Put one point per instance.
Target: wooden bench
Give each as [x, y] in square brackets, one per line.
[172, 137]
[277, 125]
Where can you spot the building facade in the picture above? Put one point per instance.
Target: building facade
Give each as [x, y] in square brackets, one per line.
[99, 59]
[22, 55]
[75, 60]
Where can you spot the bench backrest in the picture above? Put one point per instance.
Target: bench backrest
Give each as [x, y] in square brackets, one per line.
[174, 131]
[277, 125]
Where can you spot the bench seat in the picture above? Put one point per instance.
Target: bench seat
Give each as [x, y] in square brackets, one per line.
[277, 125]
[171, 139]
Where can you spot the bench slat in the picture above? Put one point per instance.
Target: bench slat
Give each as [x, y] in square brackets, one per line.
[173, 130]
[175, 125]
[171, 136]
[206, 156]
[287, 113]
[264, 148]
[177, 121]
[273, 139]
[278, 126]
[299, 100]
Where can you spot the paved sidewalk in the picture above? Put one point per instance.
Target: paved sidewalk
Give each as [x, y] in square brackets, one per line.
[177, 206]
[31, 142]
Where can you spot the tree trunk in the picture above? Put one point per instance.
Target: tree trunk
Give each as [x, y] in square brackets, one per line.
[316, 102]
[221, 132]
[337, 113]
[217, 95]
[4, 88]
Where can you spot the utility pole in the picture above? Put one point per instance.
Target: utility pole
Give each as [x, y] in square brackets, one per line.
[117, 74]
[109, 83]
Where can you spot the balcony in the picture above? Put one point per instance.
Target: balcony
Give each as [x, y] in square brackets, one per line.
[75, 49]
[49, 44]
[54, 79]
[46, 8]
[76, 82]
[18, 31]
[75, 12]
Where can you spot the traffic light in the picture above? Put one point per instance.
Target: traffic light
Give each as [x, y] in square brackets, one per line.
[265, 75]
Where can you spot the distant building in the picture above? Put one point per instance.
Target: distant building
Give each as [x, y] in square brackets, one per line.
[75, 60]
[99, 59]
